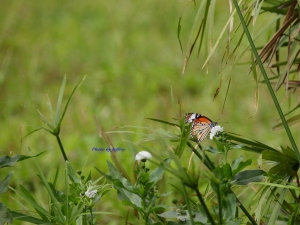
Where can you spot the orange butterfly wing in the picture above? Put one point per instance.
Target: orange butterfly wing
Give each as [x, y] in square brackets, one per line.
[201, 125]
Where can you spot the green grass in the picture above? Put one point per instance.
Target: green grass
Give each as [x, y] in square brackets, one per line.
[131, 56]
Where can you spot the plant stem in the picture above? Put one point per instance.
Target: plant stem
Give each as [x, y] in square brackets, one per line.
[211, 167]
[205, 207]
[205, 160]
[188, 204]
[254, 51]
[91, 214]
[61, 148]
[84, 216]
[220, 206]
[244, 210]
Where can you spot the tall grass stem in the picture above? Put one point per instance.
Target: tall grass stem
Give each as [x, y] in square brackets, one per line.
[254, 51]
[61, 148]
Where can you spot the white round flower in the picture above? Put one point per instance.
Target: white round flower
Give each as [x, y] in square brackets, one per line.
[184, 218]
[91, 193]
[214, 131]
[143, 155]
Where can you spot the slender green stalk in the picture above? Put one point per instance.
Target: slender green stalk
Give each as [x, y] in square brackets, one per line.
[84, 216]
[220, 206]
[61, 148]
[207, 162]
[244, 210]
[254, 51]
[204, 206]
[91, 215]
[188, 204]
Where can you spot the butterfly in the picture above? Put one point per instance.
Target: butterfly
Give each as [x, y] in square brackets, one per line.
[201, 125]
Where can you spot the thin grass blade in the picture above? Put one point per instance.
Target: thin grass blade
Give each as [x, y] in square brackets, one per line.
[59, 101]
[50, 108]
[163, 121]
[57, 206]
[66, 107]
[43, 118]
[291, 121]
[272, 93]
[219, 38]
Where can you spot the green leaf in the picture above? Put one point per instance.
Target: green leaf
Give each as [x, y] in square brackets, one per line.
[248, 176]
[248, 144]
[5, 214]
[29, 196]
[4, 183]
[72, 175]
[59, 217]
[151, 203]
[185, 135]
[118, 179]
[292, 219]
[163, 121]
[49, 106]
[129, 198]
[178, 33]
[219, 145]
[59, 101]
[75, 212]
[283, 185]
[212, 150]
[173, 214]
[43, 118]
[30, 219]
[31, 202]
[286, 161]
[281, 169]
[291, 121]
[66, 106]
[238, 165]
[159, 207]
[223, 172]
[229, 206]
[169, 214]
[276, 209]
[6, 161]
[157, 174]
[275, 156]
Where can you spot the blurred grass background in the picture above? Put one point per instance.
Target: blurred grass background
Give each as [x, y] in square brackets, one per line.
[133, 62]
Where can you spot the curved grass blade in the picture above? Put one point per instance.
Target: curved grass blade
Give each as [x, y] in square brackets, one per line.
[163, 121]
[291, 121]
[219, 38]
[65, 109]
[178, 33]
[59, 101]
[191, 34]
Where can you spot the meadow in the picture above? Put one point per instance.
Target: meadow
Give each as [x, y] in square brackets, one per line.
[130, 56]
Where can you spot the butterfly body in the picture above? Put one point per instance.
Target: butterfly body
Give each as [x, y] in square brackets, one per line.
[201, 125]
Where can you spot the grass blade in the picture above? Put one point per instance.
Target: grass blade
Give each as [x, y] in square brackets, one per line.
[59, 101]
[272, 93]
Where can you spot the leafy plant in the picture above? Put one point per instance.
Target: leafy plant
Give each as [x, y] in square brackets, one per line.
[6, 161]
[281, 56]
[72, 205]
[56, 117]
[142, 195]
